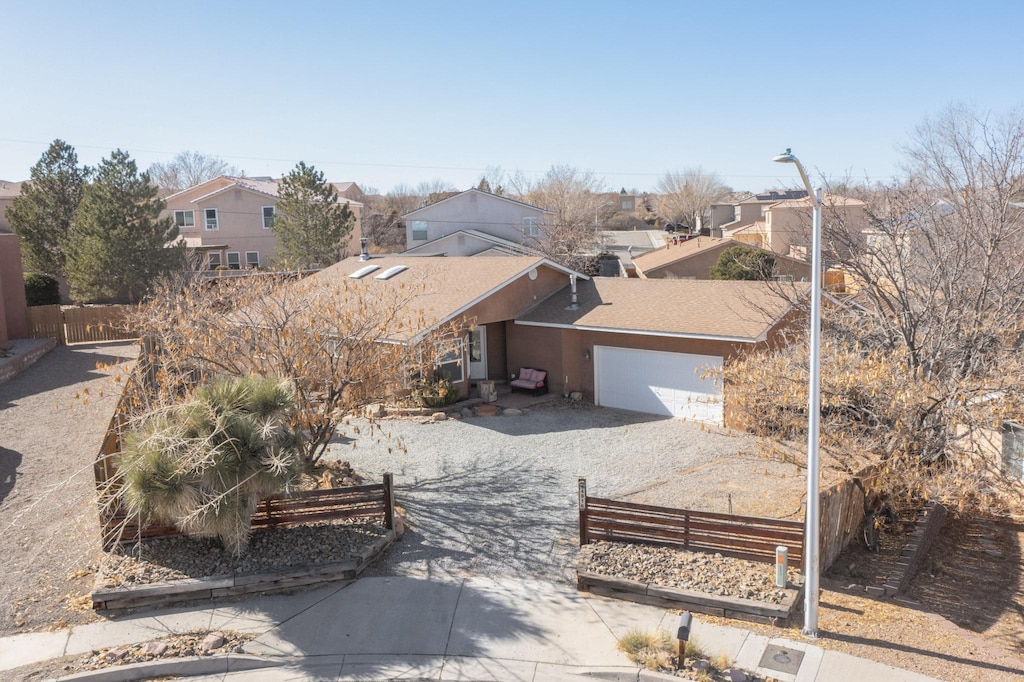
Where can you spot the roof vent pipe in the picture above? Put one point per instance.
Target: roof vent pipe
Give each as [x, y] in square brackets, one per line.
[364, 254]
[573, 299]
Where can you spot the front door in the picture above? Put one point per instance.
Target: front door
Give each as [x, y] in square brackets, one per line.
[478, 354]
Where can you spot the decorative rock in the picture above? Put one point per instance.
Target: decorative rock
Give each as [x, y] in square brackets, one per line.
[735, 675]
[439, 416]
[513, 412]
[487, 411]
[375, 410]
[466, 412]
[399, 526]
[154, 648]
[115, 654]
[214, 640]
[700, 664]
[575, 396]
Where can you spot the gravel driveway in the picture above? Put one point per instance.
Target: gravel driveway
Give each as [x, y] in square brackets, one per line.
[497, 495]
[52, 419]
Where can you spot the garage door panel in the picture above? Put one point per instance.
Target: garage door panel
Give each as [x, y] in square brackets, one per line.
[658, 382]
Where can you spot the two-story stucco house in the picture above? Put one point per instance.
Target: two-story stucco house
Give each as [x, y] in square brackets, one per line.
[474, 222]
[228, 221]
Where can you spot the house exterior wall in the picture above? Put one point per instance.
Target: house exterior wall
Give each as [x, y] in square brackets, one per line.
[698, 266]
[474, 211]
[789, 227]
[568, 354]
[518, 297]
[5, 203]
[240, 222]
[13, 311]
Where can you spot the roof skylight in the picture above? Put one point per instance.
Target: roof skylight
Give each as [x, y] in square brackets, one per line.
[392, 271]
[363, 271]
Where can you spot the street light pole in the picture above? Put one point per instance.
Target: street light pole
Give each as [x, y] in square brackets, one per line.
[812, 521]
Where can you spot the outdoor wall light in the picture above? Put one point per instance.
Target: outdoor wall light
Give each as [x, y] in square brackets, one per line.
[586, 354]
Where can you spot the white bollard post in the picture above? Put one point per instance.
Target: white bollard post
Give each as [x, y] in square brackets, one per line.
[781, 565]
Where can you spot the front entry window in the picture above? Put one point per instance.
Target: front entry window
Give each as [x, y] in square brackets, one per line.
[476, 351]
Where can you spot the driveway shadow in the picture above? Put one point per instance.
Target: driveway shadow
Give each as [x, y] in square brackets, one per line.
[64, 366]
[10, 460]
[500, 519]
[553, 418]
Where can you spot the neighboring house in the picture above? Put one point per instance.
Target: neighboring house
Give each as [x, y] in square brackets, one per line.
[9, 191]
[629, 244]
[629, 344]
[227, 221]
[350, 191]
[474, 210]
[13, 310]
[733, 215]
[694, 259]
[651, 346]
[471, 243]
[787, 223]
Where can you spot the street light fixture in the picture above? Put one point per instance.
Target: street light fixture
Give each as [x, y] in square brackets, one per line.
[812, 521]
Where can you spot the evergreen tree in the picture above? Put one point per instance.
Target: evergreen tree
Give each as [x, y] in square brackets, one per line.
[42, 215]
[744, 263]
[310, 224]
[118, 244]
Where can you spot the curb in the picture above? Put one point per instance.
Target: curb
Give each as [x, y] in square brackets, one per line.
[193, 665]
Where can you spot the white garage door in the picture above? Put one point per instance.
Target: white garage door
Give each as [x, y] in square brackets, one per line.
[657, 382]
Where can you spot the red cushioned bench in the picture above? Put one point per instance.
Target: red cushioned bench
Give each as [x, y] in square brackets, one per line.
[532, 380]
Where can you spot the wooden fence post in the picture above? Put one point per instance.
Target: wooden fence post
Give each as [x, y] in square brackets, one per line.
[389, 502]
[584, 537]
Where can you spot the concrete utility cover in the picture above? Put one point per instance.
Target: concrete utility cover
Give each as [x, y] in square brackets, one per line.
[781, 660]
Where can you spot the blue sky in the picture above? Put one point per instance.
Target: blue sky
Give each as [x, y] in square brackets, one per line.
[400, 92]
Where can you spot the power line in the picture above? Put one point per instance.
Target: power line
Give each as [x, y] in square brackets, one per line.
[367, 164]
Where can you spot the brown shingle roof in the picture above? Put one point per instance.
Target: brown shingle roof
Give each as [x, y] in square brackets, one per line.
[439, 289]
[737, 311]
[672, 254]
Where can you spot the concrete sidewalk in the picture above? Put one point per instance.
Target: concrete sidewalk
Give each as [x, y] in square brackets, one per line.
[416, 628]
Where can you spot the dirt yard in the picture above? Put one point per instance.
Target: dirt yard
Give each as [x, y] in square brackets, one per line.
[52, 419]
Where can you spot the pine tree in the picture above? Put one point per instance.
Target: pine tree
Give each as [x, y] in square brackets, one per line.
[42, 215]
[310, 224]
[118, 245]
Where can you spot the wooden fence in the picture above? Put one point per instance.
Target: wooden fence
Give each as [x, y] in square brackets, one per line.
[74, 324]
[305, 506]
[744, 537]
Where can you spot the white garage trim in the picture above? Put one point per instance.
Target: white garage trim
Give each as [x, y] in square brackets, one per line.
[658, 382]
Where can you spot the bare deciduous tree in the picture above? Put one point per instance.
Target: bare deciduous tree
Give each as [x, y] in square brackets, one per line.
[574, 197]
[188, 169]
[930, 362]
[683, 196]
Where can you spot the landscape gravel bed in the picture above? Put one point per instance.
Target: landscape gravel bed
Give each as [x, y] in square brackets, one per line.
[712, 574]
[178, 558]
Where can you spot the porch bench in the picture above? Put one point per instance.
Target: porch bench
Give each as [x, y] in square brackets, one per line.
[533, 380]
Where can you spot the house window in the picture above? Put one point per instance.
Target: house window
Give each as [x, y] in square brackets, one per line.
[627, 204]
[419, 230]
[185, 219]
[449, 361]
[214, 260]
[234, 260]
[531, 227]
[1013, 450]
[252, 259]
[211, 218]
[268, 217]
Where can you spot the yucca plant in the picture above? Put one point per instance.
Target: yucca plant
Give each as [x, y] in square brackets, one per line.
[205, 464]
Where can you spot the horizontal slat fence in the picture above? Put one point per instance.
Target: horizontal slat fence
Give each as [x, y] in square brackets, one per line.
[743, 537]
[305, 506]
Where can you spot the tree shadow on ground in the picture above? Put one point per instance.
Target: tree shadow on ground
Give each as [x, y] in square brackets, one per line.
[63, 366]
[10, 460]
[554, 418]
[486, 520]
[972, 577]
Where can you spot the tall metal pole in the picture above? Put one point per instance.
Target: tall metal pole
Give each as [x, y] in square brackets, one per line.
[812, 529]
[812, 520]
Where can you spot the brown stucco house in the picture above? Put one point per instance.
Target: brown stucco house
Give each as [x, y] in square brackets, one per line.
[227, 221]
[643, 345]
[694, 259]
